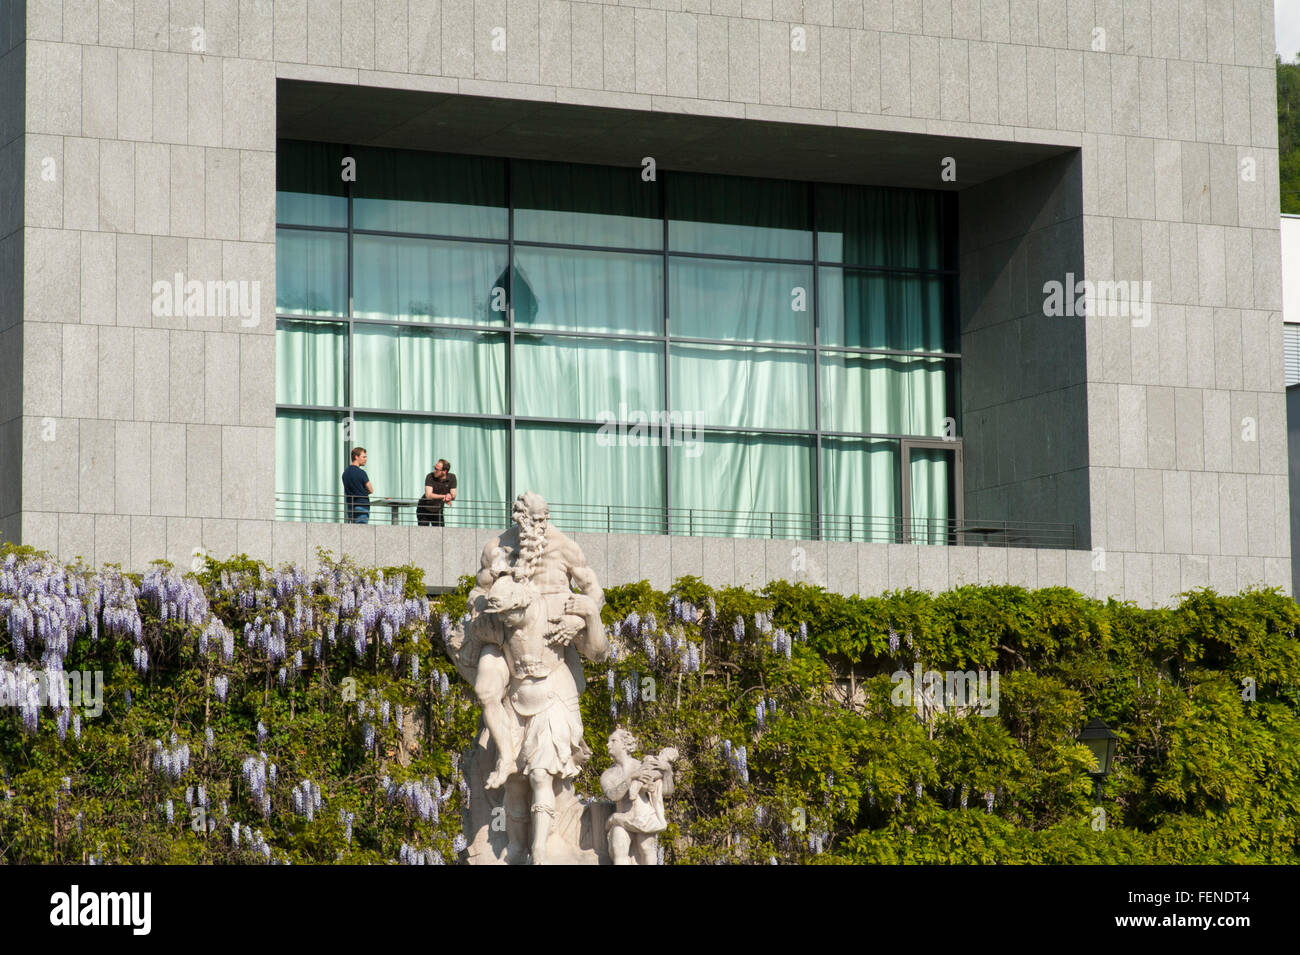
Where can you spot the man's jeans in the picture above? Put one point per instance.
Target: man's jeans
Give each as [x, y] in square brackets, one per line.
[360, 514]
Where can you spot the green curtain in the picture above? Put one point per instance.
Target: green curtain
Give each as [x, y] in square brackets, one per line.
[402, 450]
[310, 365]
[860, 489]
[745, 301]
[734, 215]
[562, 377]
[309, 188]
[581, 470]
[310, 455]
[400, 190]
[764, 479]
[605, 206]
[893, 228]
[612, 292]
[311, 272]
[743, 387]
[885, 394]
[875, 310]
[931, 473]
[425, 369]
[429, 280]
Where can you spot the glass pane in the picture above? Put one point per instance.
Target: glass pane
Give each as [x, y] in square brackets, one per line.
[931, 493]
[427, 280]
[398, 190]
[744, 485]
[875, 310]
[731, 215]
[424, 369]
[615, 292]
[622, 483]
[743, 387]
[747, 301]
[309, 188]
[860, 490]
[868, 225]
[402, 450]
[593, 378]
[585, 205]
[311, 273]
[309, 363]
[310, 455]
[886, 394]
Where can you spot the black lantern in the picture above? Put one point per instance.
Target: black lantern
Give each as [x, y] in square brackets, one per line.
[1100, 740]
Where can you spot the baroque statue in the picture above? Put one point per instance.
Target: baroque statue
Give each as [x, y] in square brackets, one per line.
[638, 789]
[534, 614]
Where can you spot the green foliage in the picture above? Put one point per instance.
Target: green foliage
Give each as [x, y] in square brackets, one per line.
[1205, 698]
[1288, 134]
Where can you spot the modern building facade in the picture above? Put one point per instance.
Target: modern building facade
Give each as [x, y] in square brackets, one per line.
[934, 292]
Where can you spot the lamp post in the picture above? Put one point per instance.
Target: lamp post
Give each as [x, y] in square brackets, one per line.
[1100, 739]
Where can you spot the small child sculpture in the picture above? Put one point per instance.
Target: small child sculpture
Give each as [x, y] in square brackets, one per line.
[638, 789]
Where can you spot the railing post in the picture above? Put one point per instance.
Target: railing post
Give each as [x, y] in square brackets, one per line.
[609, 518]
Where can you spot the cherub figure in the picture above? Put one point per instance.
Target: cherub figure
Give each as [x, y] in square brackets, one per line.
[638, 789]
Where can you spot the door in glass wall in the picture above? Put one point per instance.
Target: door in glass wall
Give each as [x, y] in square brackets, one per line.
[931, 496]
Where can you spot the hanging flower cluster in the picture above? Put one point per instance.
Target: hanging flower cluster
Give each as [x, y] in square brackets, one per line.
[738, 758]
[259, 776]
[306, 799]
[345, 820]
[46, 606]
[171, 761]
[409, 855]
[421, 796]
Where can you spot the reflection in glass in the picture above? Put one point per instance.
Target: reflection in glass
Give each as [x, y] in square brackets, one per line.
[310, 363]
[424, 369]
[614, 292]
[732, 215]
[764, 480]
[746, 301]
[884, 394]
[399, 190]
[621, 487]
[429, 280]
[860, 490]
[743, 387]
[570, 204]
[308, 187]
[311, 273]
[875, 310]
[560, 377]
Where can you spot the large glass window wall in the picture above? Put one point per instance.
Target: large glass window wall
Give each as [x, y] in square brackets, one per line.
[698, 354]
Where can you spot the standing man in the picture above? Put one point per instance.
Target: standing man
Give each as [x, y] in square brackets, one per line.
[439, 489]
[357, 489]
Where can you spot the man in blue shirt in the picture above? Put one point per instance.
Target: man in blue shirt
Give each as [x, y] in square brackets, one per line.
[357, 489]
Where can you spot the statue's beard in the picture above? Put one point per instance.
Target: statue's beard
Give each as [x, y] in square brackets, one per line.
[532, 542]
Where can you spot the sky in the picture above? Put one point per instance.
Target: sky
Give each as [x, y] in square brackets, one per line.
[1286, 19]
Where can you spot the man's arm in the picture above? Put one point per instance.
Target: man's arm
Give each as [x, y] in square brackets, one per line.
[428, 491]
[452, 496]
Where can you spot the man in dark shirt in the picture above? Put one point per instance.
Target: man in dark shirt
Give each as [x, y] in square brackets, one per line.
[439, 489]
[357, 489]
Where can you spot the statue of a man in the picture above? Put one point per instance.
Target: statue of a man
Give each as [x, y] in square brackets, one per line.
[534, 552]
[534, 613]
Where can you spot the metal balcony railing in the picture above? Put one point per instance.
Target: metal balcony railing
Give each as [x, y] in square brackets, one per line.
[699, 522]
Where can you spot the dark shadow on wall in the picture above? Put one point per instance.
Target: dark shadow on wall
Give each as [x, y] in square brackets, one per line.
[1024, 393]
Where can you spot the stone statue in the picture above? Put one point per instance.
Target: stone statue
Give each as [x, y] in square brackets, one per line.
[521, 649]
[638, 789]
